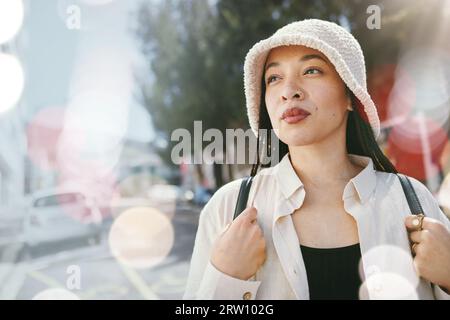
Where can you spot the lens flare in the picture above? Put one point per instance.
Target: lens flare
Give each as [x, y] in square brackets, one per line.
[141, 237]
[102, 115]
[380, 82]
[422, 85]
[93, 135]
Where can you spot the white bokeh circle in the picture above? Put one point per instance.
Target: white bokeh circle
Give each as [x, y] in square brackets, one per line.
[56, 294]
[11, 81]
[11, 19]
[141, 237]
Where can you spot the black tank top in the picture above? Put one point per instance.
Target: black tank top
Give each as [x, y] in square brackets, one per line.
[333, 273]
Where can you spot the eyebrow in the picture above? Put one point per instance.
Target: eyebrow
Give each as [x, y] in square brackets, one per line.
[302, 59]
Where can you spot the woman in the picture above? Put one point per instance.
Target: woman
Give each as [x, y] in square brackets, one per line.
[330, 221]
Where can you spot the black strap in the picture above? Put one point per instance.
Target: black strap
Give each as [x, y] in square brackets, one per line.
[243, 196]
[410, 194]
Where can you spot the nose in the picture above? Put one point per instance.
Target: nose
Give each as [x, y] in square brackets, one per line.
[292, 92]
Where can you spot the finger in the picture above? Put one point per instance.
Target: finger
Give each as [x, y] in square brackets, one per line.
[258, 229]
[226, 227]
[415, 247]
[412, 223]
[416, 236]
[249, 214]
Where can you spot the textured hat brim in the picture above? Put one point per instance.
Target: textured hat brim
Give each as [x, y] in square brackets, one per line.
[253, 72]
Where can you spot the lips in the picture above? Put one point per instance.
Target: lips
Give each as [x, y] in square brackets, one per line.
[294, 115]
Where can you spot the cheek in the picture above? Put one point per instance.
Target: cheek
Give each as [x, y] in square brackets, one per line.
[271, 109]
[270, 99]
[331, 103]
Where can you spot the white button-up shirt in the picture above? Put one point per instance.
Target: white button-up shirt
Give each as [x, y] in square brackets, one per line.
[374, 199]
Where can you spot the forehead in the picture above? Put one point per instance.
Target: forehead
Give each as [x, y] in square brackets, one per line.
[285, 52]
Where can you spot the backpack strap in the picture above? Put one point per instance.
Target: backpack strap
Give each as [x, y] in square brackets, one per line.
[410, 194]
[243, 196]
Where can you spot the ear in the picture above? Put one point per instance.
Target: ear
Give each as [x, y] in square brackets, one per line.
[349, 104]
[348, 94]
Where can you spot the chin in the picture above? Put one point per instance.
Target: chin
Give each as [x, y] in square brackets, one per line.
[296, 139]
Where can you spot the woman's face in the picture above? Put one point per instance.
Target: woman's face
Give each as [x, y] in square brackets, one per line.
[296, 78]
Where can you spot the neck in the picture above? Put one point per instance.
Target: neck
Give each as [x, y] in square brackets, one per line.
[323, 164]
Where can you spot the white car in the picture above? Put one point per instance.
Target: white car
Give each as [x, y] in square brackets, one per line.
[59, 215]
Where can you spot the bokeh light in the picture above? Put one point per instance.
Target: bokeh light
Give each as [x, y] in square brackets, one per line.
[102, 115]
[415, 142]
[43, 134]
[430, 70]
[387, 286]
[388, 272]
[11, 81]
[93, 135]
[11, 19]
[141, 237]
[401, 98]
[422, 85]
[56, 294]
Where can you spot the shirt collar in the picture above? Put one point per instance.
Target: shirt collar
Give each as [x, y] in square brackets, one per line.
[362, 184]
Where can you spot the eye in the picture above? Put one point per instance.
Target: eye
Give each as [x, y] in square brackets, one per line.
[311, 71]
[271, 78]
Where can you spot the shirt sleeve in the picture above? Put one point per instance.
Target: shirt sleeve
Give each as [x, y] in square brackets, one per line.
[205, 282]
[435, 212]
[440, 294]
[429, 203]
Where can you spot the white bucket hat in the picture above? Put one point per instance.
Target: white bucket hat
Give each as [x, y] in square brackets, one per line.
[336, 43]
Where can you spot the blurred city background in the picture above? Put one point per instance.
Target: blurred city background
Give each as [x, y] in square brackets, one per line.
[91, 204]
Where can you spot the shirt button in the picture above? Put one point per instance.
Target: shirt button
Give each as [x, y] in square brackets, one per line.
[247, 296]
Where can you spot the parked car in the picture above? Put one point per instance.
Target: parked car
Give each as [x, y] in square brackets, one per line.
[54, 216]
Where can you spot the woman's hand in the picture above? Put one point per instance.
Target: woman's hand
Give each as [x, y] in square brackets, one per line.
[432, 250]
[241, 249]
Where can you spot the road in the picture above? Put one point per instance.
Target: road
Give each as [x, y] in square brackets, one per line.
[101, 275]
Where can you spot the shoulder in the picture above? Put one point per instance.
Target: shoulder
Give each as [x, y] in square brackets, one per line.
[223, 202]
[228, 192]
[220, 208]
[428, 201]
[389, 180]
